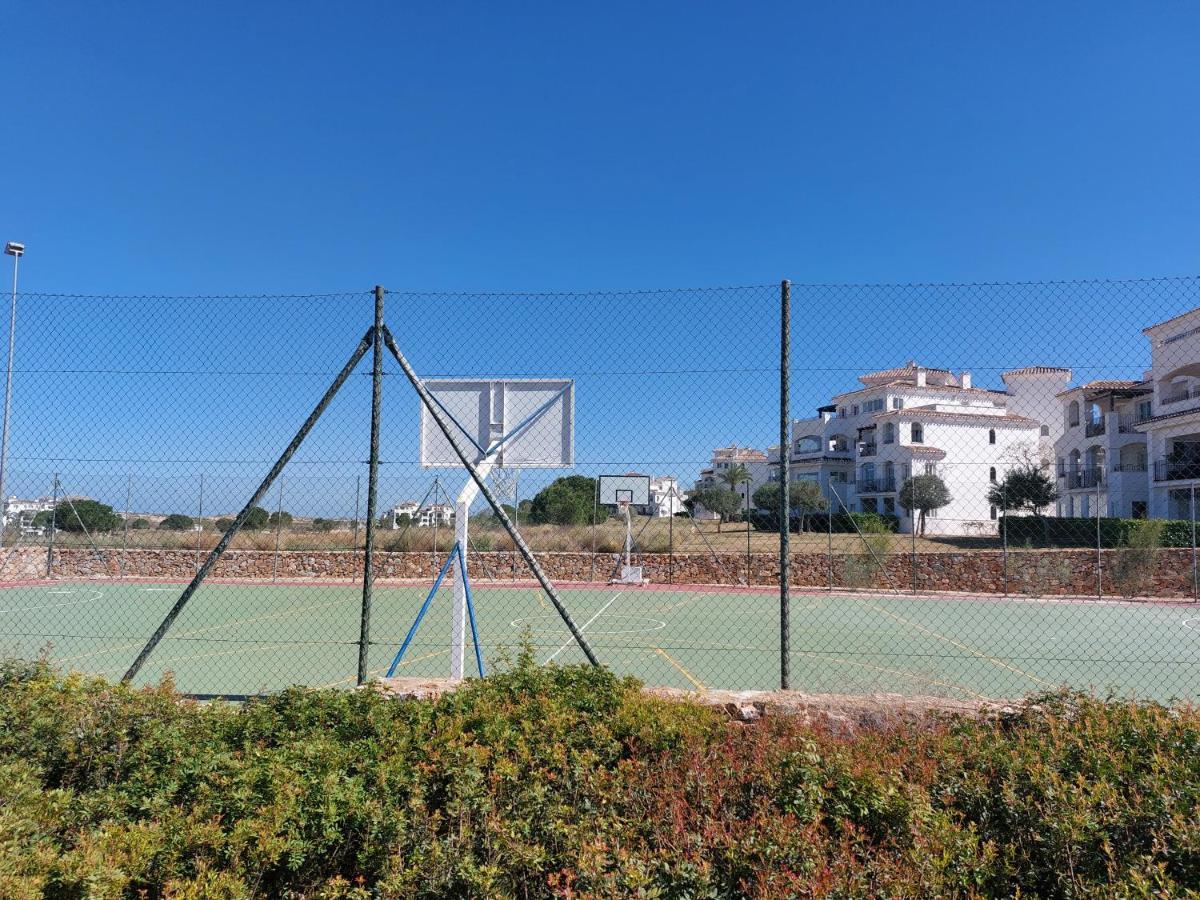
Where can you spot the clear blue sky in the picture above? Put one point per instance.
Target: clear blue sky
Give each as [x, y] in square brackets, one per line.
[302, 147]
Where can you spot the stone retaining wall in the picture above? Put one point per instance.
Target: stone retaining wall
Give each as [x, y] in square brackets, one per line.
[1030, 572]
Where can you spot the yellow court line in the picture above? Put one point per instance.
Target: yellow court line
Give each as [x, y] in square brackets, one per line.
[962, 646]
[179, 659]
[686, 674]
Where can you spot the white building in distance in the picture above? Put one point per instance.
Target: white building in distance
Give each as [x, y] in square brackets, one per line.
[757, 464]
[1173, 428]
[665, 498]
[408, 508]
[915, 420]
[435, 514]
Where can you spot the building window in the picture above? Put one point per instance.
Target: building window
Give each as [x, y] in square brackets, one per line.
[873, 405]
[1073, 414]
[930, 468]
[991, 435]
[993, 512]
[918, 433]
[889, 433]
[1045, 431]
[889, 505]
[897, 403]
[854, 410]
[992, 474]
[869, 504]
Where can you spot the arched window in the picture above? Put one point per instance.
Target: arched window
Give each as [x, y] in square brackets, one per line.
[918, 433]
[991, 435]
[1073, 414]
[889, 433]
[992, 474]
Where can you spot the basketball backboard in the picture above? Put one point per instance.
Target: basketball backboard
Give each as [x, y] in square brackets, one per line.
[631, 489]
[518, 423]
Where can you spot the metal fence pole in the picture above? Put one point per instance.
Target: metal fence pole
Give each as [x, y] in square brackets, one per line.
[357, 507]
[829, 534]
[1004, 532]
[595, 511]
[54, 527]
[1099, 556]
[200, 521]
[364, 629]
[125, 530]
[749, 532]
[913, 528]
[278, 529]
[436, 517]
[785, 475]
[670, 538]
[1195, 571]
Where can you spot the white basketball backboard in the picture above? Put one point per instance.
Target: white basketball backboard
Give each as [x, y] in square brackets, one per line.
[632, 489]
[518, 423]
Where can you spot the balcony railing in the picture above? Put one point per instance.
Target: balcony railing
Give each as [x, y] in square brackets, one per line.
[867, 449]
[884, 484]
[1129, 422]
[1092, 429]
[1082, 478]
[1176, 470]
[1180, 396]
[1138, 465]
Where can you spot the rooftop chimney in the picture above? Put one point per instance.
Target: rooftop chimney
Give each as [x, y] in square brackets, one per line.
[920, 376]
[964, 380]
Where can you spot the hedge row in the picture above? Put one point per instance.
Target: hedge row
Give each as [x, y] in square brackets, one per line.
[1064, 531]
[843, 523]
[567, 782]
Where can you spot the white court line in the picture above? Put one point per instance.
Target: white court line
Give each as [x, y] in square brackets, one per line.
[582, 628]
[96, 595]
[157, 589]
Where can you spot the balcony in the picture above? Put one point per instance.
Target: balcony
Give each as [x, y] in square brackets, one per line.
[884, 484]
[867, 449]
[1129, 422]
[1181, 396]
[1135, 466]
[1093, 429]
[1176, 470]
[1082, 478]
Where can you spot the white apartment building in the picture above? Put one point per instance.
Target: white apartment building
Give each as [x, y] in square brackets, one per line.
[918, 420]
[665, 498]
[1101, 455]
[1173, 428]
[408, 508]
[757, 464]
[435, 513]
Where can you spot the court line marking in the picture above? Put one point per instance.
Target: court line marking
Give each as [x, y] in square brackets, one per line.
[682, 671]
[962, 646]
[524, 621]
[99, 594]
[900, 672]
[583, 628]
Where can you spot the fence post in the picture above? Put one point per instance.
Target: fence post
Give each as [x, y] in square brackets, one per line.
[670, 537]
[125, 531]
[595, 509]
[364, 628]
[200, 520]
[54, 527]
[1195, 578]
[357, 499]
[1099, 556]
[912, 519]
[1004, 532]
[749, 531]
[829, 535]
[785, 475]
[278, 529]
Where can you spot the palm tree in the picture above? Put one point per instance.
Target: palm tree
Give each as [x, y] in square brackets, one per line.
[733, 476]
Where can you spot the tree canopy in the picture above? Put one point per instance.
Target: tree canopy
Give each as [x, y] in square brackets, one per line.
[86, 515]
[803, 496]
[281, 519]
[923, 493]
[725, 503]
[177, 522]
[257, 520]
[565, 501]
[1027, 487]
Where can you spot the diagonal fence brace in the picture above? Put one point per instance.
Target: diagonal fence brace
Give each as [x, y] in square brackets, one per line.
[218, 551]
[497, 509]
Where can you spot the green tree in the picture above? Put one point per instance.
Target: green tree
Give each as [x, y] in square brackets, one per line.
[565, 501]
[1028, 487]
[43, 519]
[176, 522]
[86, 515]
[281, 519]
[320, 524]
[734, 476]
[256, 520]
[139, 524]
[804, 498]
[726, 504]
[223, 524]
[923, 493]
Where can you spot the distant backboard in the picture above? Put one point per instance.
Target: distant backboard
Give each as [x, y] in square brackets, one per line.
[519, 423]
[631, 489]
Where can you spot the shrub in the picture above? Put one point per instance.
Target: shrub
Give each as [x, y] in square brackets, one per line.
[86, 515]
[1067, 531]
[1136, 562]
[177, 522]
[569, 781]
[223, 524]
[140, 524]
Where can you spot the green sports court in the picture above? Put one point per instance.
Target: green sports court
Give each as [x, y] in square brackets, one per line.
[249, 638]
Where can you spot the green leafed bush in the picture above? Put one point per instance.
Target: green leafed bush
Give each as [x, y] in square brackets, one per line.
[568, 781]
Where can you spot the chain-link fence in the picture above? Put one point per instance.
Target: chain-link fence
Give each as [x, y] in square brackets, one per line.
[991, 487]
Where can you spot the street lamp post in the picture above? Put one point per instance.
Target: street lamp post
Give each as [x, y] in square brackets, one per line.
[16, 251]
